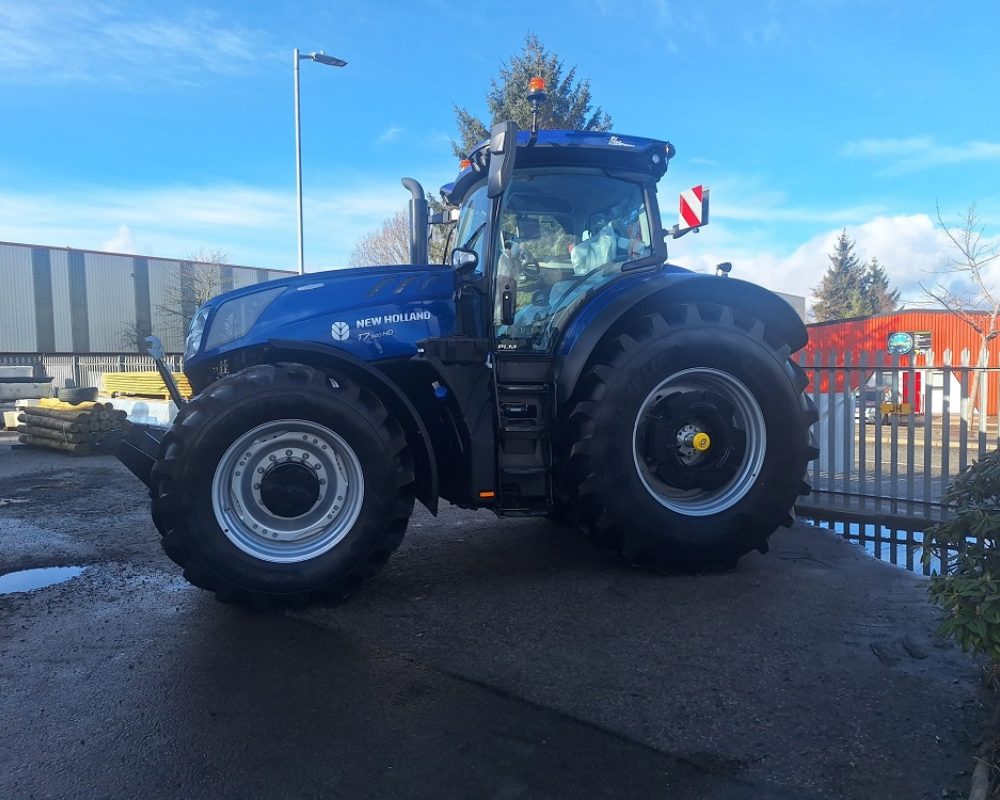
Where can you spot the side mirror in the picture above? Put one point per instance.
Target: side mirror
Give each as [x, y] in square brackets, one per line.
[503, 149]
[464, 261]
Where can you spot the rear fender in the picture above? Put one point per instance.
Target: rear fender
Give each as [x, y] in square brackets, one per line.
[326, 357]
[646, 293]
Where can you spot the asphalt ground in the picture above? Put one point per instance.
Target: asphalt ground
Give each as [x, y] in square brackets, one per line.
[491, 659]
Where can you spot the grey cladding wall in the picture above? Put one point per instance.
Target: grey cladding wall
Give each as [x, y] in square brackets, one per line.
[59, 300]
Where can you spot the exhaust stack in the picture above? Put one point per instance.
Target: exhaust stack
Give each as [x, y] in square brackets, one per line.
[418, 221]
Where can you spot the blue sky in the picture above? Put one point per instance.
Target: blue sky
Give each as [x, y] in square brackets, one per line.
[165, 128]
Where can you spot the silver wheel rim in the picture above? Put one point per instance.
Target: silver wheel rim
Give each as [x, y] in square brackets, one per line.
[746, 416]
[251, 486]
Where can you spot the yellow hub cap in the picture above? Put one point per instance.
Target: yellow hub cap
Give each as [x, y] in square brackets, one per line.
[701, 442]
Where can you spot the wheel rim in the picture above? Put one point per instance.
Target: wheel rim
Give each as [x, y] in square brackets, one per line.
[699, 441]
[287, 491]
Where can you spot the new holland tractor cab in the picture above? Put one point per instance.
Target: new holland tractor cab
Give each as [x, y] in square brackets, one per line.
[558, 366]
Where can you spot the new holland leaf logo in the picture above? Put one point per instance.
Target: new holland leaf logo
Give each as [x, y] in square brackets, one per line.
[340, 331]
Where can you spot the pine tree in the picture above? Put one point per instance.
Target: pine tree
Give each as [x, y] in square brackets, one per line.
[839, 295]
[876, 295]
[568, 105]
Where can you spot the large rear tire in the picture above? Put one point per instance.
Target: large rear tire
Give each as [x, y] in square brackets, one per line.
[687, 440]
[281, 485]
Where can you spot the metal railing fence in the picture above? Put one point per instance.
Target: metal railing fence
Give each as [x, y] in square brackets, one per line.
[86, 370]
[883, 469]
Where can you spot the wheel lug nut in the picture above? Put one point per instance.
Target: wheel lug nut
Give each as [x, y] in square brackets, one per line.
[256, 486]
[273, 457]
[260, 470]
[288, 452]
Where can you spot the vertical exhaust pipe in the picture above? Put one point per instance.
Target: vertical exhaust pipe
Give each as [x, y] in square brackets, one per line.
[418, 222]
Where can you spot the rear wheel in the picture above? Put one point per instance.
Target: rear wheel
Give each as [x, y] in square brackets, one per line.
[280, 485]
[687, 440]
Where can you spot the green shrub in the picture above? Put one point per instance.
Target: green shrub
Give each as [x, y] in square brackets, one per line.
[968, 584]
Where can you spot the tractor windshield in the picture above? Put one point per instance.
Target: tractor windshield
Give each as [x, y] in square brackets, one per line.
[563, 233]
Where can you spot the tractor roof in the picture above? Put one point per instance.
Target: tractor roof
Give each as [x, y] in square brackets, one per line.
[562, 148]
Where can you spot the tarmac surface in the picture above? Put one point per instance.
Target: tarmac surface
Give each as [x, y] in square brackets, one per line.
[491, 659]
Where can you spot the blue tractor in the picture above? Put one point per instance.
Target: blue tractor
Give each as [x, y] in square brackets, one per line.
[558, 366]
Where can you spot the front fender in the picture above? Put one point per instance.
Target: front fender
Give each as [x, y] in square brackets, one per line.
[644, 293]
[322, 355]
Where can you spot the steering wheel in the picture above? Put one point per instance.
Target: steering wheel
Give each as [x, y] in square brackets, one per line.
[530, 271]
[530, 267]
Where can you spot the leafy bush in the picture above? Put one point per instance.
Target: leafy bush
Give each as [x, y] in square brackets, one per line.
[968, 584]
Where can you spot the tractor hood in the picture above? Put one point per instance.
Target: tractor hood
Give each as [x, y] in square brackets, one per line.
[374, 313]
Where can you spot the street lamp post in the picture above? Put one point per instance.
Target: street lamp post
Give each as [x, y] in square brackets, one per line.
[330, 61]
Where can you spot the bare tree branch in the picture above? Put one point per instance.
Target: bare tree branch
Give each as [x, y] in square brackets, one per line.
[964, 288]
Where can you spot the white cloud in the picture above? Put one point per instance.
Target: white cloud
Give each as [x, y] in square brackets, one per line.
[389, 134]
[256, 226]
[914, 154]
[909, 247]
[748, 199]
[122, 242]
[120, 43]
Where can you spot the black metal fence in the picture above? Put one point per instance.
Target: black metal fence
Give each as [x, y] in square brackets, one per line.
[893, 432]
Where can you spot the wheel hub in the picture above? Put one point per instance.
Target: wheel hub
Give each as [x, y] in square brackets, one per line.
[699, 441]
[287, 490]
[694, 442]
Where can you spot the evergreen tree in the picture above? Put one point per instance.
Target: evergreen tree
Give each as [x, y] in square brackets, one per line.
[568, 105]
[876, 295]
[839, 295]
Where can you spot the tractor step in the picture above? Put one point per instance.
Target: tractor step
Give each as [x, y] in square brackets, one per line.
[525, 453]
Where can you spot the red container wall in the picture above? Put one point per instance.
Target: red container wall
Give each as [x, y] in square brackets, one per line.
[870, 335]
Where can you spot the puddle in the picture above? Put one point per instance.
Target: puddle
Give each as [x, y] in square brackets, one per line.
[27, 580]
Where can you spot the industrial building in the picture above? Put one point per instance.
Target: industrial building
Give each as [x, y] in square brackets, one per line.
[63, 300]
[918, 338]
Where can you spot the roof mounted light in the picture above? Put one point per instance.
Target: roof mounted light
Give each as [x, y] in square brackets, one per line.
[536, 96]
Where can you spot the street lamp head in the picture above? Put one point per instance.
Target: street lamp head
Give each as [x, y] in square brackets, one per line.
[323, 58]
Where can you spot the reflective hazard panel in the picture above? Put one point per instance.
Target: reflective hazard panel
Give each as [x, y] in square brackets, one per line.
[691, 207]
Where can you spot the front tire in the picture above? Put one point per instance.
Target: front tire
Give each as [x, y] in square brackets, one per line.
[280, 485]
[687, 439]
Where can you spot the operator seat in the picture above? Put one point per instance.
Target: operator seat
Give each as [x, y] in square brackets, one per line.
[594, 252]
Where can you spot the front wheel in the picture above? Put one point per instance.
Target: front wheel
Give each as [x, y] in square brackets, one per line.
[687, 439]
[281, 485]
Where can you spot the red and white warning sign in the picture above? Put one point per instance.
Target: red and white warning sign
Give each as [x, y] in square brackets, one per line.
[692, 207]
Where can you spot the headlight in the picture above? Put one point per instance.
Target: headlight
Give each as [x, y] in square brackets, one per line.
[193, 342]
[236, 317]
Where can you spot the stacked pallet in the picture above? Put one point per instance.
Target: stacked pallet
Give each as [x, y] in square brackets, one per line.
[142, 384]
[83, 428]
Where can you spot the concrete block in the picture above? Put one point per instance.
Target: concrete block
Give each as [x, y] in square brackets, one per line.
[20, 391]
[142, 411]
[9, 371]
